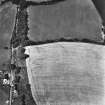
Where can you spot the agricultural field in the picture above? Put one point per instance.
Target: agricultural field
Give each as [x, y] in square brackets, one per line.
[68, 19]
[7, 16]
[67, 73]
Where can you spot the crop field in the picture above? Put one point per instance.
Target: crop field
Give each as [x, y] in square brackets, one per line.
[7, 16]
[66, 73]
[68, 19]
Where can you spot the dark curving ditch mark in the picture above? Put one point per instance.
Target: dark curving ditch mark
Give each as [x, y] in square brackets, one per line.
[31, 43]
[12, 1]
[50, 2]
[24, 4]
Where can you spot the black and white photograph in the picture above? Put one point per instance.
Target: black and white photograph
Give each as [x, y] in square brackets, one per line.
[52, 52]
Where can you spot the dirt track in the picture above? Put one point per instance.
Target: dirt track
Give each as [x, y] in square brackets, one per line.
[66, 73]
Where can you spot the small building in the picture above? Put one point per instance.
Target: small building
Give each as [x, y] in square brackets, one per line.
[6, 82]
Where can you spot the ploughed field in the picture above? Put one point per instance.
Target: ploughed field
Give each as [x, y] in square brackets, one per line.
[67, 73]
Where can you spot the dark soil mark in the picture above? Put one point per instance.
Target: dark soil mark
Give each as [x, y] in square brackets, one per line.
[30, 42]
